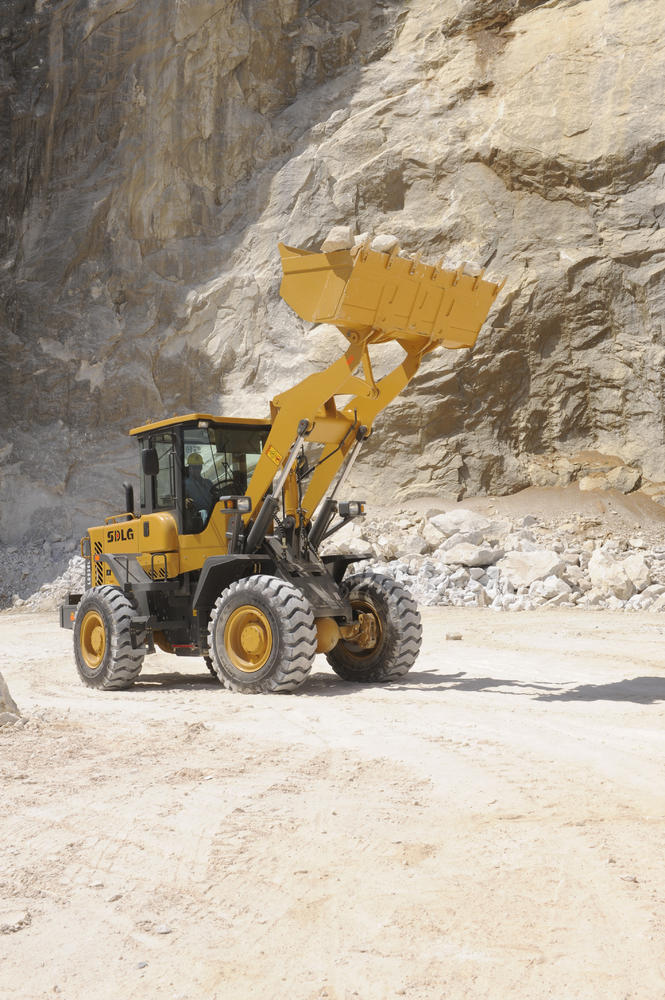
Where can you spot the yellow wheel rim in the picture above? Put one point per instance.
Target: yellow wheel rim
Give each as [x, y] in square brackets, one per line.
[93, 639]
[248, 638]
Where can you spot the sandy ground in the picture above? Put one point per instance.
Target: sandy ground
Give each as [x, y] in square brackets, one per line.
[491, 827]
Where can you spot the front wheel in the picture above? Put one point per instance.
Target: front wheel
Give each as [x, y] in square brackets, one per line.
[262, 636]
[105, 657]
[398, 631]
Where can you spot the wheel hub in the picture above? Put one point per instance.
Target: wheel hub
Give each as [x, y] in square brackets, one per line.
[248, 638]
[93, 639]
[362, 638]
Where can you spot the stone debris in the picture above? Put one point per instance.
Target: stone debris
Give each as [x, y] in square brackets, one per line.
[463, 558]
[51, 595]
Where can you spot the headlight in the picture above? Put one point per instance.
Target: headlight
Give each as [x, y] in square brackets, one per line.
[351, 508]
[242, 504]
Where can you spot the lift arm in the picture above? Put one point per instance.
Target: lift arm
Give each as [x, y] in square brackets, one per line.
[372, 298]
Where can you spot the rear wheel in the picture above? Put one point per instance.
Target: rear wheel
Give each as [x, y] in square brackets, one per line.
[397, 626]
[102, 640]
[262, 636]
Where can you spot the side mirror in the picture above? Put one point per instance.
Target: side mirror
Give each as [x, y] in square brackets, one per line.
[150, 461]
[129, 498]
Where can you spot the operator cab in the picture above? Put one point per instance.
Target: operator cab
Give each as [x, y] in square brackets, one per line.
[188, 463]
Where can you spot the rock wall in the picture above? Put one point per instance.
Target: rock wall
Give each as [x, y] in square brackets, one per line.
[158, 151]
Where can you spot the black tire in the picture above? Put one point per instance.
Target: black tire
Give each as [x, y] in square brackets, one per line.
[279, 622]
[398, 626]
[211, 667]
[102, 642]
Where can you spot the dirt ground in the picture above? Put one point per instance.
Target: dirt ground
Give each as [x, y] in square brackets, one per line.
[493, 826]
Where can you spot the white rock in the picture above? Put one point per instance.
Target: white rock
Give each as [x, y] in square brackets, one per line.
[339, 238]
[461, 520]
[414, 544]
[520, 541]
[550, 587]
[384, 243]
[608, 574]
[462, 538]
[637, 570]
[470, 555]
[482, 598]
[521, 569]
[560, 599]
[387, 547]
[431, 535]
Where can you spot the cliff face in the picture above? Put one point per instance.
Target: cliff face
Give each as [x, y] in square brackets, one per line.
[158, 151]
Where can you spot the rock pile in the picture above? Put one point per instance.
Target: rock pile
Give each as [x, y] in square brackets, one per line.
[466, 559]
[51, 595]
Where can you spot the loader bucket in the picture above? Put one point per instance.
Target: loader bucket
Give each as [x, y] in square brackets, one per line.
[384, 297]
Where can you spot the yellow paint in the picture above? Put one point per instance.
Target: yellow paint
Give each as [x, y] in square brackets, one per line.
[174, 421]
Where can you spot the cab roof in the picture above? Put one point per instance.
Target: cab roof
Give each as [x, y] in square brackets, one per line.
[189, 418]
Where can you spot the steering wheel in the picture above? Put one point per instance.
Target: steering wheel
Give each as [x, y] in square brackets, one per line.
[225, 488]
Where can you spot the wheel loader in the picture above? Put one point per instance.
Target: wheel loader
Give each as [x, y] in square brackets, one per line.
[225, 558]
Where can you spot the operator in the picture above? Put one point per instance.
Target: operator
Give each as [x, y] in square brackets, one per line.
[198, 489]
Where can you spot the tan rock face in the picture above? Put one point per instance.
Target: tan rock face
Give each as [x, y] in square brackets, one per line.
[159, 151]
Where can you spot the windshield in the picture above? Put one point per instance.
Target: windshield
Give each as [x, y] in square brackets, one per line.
[228, 455]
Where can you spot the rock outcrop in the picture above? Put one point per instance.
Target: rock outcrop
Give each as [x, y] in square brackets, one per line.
[9, 713]
[158, 151]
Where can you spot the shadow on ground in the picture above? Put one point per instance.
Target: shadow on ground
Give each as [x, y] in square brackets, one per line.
[640, 690]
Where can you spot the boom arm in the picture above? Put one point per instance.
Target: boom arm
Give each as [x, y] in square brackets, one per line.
[372, 298]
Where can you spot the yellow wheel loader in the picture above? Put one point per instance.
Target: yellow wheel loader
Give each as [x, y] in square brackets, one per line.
[223, 557]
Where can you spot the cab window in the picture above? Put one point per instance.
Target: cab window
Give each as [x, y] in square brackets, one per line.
[163, 484]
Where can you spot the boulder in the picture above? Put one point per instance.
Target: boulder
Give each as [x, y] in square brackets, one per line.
[623, 478]
[521, 569]
[384, 243]
[637, 570]
[608, 574]
[431, 536]
[339, 238]
[459, 520]
[465, 554]
[549, 588]
[9, 713]
[462, 538]
[414, 544]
